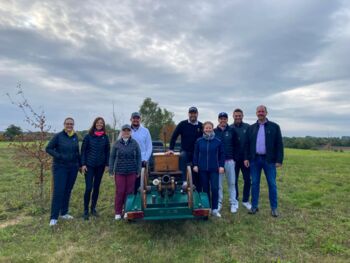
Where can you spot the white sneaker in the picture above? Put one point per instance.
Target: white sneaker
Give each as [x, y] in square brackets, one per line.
[126, 216]
[53, 222]
[67, 217]
[118, 217]
[216, 213]
[184, 186]
[233, 209]
[219, 207]
[247, 205]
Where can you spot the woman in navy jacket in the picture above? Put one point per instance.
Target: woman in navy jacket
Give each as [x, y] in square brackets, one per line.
[209, 161]
[64, 148]
[94, 158]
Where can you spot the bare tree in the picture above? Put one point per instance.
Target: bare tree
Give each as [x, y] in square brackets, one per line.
[29, 150]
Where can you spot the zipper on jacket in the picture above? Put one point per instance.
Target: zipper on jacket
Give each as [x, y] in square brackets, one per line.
[208, 155]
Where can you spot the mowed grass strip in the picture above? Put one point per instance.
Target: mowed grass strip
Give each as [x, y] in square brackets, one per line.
[314, 225]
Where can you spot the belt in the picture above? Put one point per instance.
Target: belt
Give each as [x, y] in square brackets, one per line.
[261, 155]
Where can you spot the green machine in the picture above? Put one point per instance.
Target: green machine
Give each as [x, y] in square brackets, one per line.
[163, 195]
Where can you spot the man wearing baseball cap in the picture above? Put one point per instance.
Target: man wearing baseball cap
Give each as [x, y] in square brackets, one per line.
[189, 130]
[143, 137]
[229, 138]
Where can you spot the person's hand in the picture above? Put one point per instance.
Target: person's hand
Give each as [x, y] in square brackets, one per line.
[195, 169]
[84, 169]
[170, 152]
[278, 165]
[246, 163]
[221, 170]
[111, 176]
[106, 168]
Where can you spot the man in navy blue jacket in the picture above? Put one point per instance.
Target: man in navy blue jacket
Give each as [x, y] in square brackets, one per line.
[264, 151]
[189, 130]
[228, 137]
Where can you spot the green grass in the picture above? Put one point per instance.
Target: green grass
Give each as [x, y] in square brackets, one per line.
[314, 225]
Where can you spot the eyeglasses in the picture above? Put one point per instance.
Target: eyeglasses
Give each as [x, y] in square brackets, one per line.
[69, 124]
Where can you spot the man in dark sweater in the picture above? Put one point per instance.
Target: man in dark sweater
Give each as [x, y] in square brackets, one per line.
[228, 137]
[189, 130]
[241, 129]
[263, 151]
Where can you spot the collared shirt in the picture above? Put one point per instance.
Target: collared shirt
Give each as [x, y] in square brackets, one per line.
[193, 123]
[143, 138]
[260, 139]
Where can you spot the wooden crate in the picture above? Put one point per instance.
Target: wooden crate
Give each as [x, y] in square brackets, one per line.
[166, 163]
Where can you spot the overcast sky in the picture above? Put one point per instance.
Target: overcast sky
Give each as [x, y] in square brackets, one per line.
[74, 58]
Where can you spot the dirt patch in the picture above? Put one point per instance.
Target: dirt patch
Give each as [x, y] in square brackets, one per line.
[12, 222]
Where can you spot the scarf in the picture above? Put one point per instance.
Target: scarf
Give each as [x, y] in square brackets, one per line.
[209, 136]
[99, 133]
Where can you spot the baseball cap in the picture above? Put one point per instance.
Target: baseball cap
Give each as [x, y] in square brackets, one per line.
[223, 115]
[126, 127]
[192, 109]
[136, 114]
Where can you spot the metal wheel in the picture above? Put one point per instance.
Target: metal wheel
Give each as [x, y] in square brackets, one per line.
[189, 187]
[143, 185]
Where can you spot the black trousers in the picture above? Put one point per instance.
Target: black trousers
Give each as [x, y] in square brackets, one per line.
[246, 178]
[93, 178]
[186, 158]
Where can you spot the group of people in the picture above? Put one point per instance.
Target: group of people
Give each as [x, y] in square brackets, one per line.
[213, 152]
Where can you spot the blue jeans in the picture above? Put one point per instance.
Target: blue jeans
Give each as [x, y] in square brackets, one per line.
[256, 165]
[210, 183]
[64, 177]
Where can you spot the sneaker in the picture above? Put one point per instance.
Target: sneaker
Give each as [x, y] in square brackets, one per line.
[184, 186]
[67, 217]
[247, 205]
[118, 217]
[219, 207]
[216, 213]
[233, 209]
[53, 222]
[86, 215]
[126, 216]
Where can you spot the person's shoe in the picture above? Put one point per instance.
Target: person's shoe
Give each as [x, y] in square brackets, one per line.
[184, 186]
[53, 222]
[247, 205]
[233, 209]
[86, 215]
[219, 207]
[118, 217]
[274, 213]
[94, 212]
[253, 210]
[216, 213]
[125, 216]
[67, 217]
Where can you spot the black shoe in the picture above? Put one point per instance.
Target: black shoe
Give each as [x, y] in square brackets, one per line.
[86, 215]
[94, 212]
[253, 211]
[274, 213]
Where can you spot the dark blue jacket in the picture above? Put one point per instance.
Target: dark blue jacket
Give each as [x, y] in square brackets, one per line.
[64, 149]
[229, 138]
[273, 142]
[209, 155]
[189, 134]
[95, 150]
[241, 130]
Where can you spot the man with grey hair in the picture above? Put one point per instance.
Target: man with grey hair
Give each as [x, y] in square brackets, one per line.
[263, 151]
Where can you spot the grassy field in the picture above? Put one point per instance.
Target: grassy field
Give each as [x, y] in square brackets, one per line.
[314, 226]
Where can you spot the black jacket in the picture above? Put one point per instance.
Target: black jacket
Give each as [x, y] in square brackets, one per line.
[229, 138]
[64, 149]
[241, 131]
[189, 135]
[273, 141]
[125, 157]
[95, 150]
